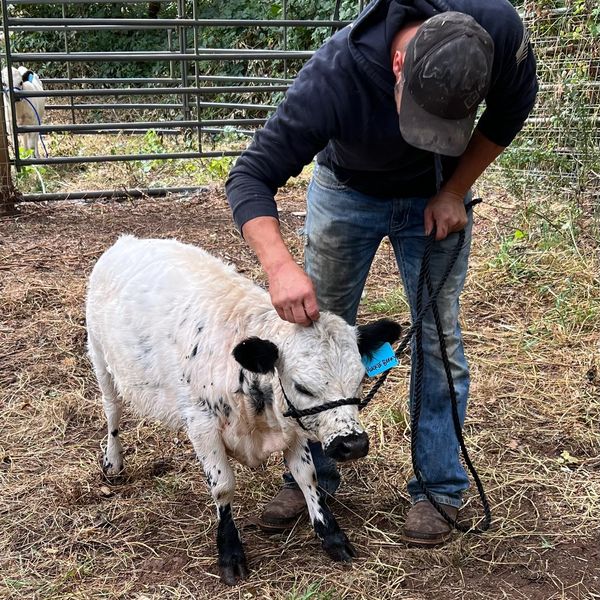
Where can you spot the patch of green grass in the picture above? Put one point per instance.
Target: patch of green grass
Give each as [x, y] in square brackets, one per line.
[32, 177]
[218, 168]
[509, 257]
[312, 592]
[571, 306]
[395, 417]
[393, 303]
[16, 584]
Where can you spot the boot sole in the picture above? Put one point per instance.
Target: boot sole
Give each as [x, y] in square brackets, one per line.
[418, 542]
[278, 526]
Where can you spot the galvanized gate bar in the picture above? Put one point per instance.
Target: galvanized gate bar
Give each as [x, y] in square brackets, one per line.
[152, 91]
[208, 54]
[23, 22]
[129, 106]
[114, 194]
[230, 78]
[139, 125]
[67, 160]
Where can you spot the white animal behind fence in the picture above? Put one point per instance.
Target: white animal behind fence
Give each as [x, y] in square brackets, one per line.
[29, 111]
[183, 338]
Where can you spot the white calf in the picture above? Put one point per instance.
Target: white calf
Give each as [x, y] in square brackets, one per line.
[187, 340]
[28, 111]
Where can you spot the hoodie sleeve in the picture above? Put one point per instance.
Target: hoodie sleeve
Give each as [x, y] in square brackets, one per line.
[513, 90]
[301, 127]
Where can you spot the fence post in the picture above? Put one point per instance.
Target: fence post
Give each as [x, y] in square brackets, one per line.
[8, 194]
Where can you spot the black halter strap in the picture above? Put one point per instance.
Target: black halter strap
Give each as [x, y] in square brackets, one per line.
[297, 414]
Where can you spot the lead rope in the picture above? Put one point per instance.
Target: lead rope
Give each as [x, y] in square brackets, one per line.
[417, 330]
[425, 277]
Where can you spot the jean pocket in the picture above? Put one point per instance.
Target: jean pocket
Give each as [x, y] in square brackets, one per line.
[325, 178]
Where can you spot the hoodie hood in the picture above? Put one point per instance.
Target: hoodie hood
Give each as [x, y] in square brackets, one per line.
[372, 33]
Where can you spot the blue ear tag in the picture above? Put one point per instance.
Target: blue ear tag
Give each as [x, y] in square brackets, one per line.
[383, 359]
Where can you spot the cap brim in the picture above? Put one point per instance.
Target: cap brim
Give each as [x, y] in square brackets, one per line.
[425, 131]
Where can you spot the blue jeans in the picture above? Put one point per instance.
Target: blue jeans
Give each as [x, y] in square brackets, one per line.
[344, 229]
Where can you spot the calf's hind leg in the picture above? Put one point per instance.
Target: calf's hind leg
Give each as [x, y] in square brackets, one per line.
[221, 481]
[113, 409]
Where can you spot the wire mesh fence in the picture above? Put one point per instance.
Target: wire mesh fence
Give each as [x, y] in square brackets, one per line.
[558, 150]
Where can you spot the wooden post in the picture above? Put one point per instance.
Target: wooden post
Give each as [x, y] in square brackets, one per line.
[8, 194]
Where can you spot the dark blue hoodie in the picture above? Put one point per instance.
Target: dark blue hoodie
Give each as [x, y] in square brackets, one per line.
[341, 108]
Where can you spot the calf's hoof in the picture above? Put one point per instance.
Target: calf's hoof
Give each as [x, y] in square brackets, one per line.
[110, 468]
[339, 548]
[233, 569]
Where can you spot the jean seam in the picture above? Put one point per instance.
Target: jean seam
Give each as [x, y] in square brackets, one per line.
[407, 205]
[440, 498]
[321, 181]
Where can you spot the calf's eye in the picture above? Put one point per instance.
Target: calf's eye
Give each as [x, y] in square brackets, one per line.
[303, 390]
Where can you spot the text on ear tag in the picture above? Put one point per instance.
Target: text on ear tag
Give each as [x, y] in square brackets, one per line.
[383, 359]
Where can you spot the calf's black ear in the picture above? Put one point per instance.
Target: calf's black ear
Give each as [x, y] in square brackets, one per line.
[373, 335]
[256, 355]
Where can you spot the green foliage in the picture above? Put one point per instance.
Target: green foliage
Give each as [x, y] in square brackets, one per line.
[30, 176]
[393, 303]
[510, 256]
[312, 592]
[558, 151]
[152, 143]
[219, 168]
[569, 307]
[158, 39]
[94, 41]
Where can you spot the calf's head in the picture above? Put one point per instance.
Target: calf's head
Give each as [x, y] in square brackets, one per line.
[320, 364]
[19, 76]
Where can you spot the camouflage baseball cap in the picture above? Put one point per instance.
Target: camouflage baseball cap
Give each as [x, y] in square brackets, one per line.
[447, 72]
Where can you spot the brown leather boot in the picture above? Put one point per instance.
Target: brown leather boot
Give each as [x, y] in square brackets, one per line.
[424, 526]
[283, 511]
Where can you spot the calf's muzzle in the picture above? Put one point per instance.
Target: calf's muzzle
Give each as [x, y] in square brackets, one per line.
[348, 447]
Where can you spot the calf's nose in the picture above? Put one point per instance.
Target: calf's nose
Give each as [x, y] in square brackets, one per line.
[348, 447]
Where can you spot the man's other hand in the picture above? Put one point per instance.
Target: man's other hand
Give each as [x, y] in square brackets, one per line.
[447, 211]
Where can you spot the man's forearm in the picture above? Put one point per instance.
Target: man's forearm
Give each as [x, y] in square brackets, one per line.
[292, 292]
[264, 237]
[480, 153]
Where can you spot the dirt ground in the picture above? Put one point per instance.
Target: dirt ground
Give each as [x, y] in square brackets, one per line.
[532, 431]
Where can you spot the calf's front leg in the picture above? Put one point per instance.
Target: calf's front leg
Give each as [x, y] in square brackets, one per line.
[221, 481]
[333, 539]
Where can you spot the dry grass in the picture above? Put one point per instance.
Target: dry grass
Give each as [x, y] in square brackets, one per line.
[140, 174]
[531, 320]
